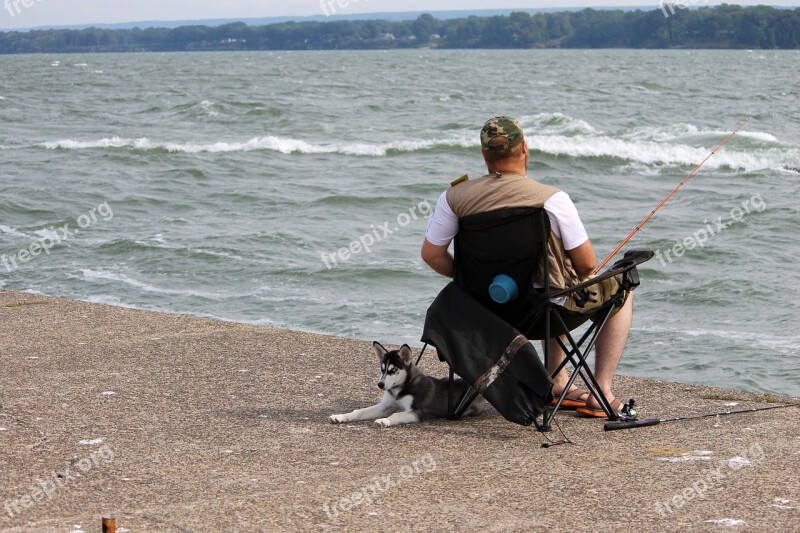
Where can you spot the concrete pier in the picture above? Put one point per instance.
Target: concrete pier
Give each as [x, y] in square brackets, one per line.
[169, 423]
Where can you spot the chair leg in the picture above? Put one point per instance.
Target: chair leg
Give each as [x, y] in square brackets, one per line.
[466, 400]
[577, 357]
[595, 330]
[455, 412]
[586, 373]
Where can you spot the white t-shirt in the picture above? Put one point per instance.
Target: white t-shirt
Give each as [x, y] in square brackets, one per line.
[564, 222]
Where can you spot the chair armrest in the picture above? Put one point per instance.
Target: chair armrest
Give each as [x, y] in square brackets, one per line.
[628, 263]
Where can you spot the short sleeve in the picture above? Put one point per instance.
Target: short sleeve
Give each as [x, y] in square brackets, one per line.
[565, 221]
[443, 225]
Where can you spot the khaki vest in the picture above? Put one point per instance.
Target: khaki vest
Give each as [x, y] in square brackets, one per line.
[499, 191]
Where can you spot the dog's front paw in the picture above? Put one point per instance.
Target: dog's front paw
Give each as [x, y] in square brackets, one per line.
[337, 419]
[383, 423]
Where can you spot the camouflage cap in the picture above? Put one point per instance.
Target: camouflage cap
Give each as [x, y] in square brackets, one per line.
[501, 132]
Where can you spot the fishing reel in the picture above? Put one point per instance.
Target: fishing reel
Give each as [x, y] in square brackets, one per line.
[628, 411]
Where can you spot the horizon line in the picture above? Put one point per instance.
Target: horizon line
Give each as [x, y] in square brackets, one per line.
[212, 22]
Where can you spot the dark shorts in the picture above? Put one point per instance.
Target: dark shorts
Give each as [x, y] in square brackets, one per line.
[597, 295]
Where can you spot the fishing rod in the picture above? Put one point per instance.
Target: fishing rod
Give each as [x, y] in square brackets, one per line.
[630, 424]
[670, 195]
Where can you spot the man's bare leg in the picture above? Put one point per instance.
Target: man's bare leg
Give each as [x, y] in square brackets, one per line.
[608, 349]
[560, 380]
[608, 352]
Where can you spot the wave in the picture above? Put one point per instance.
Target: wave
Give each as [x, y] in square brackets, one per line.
[100, 275]
[555, 124]
[14, 232]
[645, 149]
[48, 234]
[268, 143]
[110, 300]
[659, 154]
[339, 200]
[158, 244]
[684, 132]
[786, 344]
[215, 109]
[209, 108]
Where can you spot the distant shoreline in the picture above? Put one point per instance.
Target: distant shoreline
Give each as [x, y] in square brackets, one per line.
[723, 27]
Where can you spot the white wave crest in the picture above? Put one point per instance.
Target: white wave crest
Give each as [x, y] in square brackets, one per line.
[108, 300]
[8, 230]
[682, 131]
[99, 275]
[656, 153]
[269, 143]
[114, 142]
[645, 149]
[208, 108]
[555, 124]
[48, 234]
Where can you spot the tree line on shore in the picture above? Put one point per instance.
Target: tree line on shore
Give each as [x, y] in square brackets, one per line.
[672, 26]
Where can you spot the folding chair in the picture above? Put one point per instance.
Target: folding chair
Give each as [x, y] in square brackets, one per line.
[488, 343]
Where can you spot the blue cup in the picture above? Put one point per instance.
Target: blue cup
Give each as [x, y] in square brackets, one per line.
[503, 289]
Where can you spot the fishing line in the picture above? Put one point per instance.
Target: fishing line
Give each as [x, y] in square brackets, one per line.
[670, 195]
[630, 424]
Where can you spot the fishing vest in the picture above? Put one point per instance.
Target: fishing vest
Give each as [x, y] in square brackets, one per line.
[499, 191]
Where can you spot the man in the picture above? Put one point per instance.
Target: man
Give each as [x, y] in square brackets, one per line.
[572, 256]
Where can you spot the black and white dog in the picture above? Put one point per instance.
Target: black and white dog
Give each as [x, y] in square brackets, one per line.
[409, 394]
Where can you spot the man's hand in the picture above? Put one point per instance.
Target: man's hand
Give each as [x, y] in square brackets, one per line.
[438, 258]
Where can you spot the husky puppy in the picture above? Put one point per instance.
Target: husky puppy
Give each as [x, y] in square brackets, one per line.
[409, 394]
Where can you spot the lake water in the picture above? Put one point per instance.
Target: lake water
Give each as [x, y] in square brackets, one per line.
[223, 185]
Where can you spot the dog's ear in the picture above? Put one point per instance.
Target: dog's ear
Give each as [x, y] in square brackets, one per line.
[380, 351]
[405, 353]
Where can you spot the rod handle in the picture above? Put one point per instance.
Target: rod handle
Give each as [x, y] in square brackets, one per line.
[630, 424]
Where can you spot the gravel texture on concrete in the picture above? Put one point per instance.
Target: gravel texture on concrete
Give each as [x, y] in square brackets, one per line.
[171, 423]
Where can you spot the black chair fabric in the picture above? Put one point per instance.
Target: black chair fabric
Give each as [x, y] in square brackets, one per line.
[480, 339]
[486, 342]
[488, 353]
[508, 241]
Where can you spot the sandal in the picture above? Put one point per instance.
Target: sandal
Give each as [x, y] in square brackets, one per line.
[597, 412]
[573, 400]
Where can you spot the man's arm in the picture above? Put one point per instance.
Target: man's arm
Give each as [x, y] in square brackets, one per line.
[438, 258]
[566, 224]
[442, 228]
[583, 259]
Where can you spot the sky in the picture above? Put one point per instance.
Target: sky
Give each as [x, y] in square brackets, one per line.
[32, 13]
